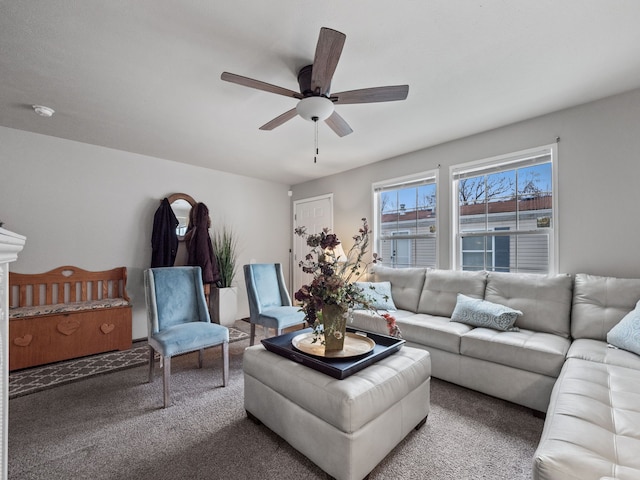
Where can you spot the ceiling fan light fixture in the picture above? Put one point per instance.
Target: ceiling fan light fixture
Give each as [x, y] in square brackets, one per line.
[315, 108]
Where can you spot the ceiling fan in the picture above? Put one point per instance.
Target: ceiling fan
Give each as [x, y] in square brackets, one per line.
[315, 100]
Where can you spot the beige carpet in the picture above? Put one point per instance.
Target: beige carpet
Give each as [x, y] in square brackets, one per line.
[30, 380]
[112, 427]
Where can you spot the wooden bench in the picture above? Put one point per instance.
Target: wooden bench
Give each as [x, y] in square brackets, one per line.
[67, 313]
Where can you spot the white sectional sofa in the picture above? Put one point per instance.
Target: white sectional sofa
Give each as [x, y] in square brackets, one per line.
[592, 428]
[558, 361]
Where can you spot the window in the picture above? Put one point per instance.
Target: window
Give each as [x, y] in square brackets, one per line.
[504, 213]
[405, 221]
[486, 252]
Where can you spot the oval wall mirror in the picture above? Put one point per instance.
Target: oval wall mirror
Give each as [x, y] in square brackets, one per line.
[181, 204]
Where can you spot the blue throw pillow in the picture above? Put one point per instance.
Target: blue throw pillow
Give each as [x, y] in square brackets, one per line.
[379, 295]
[480, 313]
[626, 334]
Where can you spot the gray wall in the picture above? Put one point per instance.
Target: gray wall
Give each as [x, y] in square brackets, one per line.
[598, 171]
[93, 207]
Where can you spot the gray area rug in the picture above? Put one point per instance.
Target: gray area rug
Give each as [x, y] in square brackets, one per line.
[30, 380]
[112, 427]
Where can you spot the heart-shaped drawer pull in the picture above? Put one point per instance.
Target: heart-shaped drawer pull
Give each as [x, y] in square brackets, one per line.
[23, 341]
[68, 326]
[107, 327]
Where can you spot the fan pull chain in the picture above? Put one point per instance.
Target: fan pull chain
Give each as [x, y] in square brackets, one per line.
[315, 121]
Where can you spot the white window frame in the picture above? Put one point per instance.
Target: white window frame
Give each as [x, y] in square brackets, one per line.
[499, 163]
[426, 178]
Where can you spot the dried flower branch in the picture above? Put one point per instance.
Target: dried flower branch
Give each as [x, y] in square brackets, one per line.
[333, 276]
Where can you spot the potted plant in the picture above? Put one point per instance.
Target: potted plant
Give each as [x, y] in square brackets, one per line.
[224, 295]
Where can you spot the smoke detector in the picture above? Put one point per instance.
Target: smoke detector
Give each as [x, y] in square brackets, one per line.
[43, 111]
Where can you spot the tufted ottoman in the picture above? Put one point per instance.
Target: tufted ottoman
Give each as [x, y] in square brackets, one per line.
[346, 427]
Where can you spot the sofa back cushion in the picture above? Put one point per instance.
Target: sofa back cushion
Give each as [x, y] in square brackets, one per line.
[441, 289]
[406, 284]
[544, 300]
[599, 303]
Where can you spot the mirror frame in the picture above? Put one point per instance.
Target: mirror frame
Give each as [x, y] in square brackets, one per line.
[181, 196]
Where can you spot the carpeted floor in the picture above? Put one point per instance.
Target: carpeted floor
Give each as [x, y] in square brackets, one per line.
[30, 380]
[112, 426]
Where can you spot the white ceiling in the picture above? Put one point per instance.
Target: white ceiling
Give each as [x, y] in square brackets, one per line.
[144, 75]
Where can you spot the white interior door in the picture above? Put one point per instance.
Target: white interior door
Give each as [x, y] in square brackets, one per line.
[314, 214]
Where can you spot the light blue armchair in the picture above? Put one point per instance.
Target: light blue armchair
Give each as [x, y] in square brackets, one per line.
[178, 319]
[269, 301]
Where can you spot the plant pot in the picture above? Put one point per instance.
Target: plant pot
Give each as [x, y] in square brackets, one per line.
[223, 306]
[334, 326]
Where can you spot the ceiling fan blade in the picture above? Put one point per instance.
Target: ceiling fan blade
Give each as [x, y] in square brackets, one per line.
[371, 95]
[257, 84]
[328, 51]
[279, 120]
[338, 124]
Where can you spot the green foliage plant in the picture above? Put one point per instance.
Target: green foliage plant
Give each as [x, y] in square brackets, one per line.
[225, 249]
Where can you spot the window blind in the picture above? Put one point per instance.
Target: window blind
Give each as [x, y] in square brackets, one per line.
[404, 184]
[507, 164]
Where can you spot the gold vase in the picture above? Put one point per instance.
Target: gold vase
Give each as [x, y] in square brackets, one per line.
[334, 323]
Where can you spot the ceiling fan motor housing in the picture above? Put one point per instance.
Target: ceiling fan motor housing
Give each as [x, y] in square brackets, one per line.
[304, 81]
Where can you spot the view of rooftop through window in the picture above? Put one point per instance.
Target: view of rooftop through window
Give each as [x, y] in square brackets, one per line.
[515, 204]
[407, 220]
[503, 220]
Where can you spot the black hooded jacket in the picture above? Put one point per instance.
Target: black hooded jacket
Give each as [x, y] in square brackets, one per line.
[164, 239]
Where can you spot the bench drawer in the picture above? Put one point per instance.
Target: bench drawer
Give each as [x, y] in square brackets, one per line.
[51, 338]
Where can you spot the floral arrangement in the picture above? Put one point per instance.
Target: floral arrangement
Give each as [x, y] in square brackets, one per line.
[333, 277]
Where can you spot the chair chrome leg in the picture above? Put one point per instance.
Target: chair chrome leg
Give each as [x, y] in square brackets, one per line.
[225, 364]
[152, 358]
[253, 334]
[200, 357]
[265, 332]
[166, 375]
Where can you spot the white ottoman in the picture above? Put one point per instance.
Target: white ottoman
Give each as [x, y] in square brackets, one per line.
[346, 427]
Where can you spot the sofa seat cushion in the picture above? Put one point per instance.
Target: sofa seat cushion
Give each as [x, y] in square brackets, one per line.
[441, 288]
[58, 308]
[371, 321]
[536, 352]
[433, 331]
[281, 316]
[187, 337]
[544, 300]
[427, 330]
[591, 430]
[601, 352]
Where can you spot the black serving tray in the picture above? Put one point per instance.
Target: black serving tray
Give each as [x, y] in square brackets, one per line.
[339, 368]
